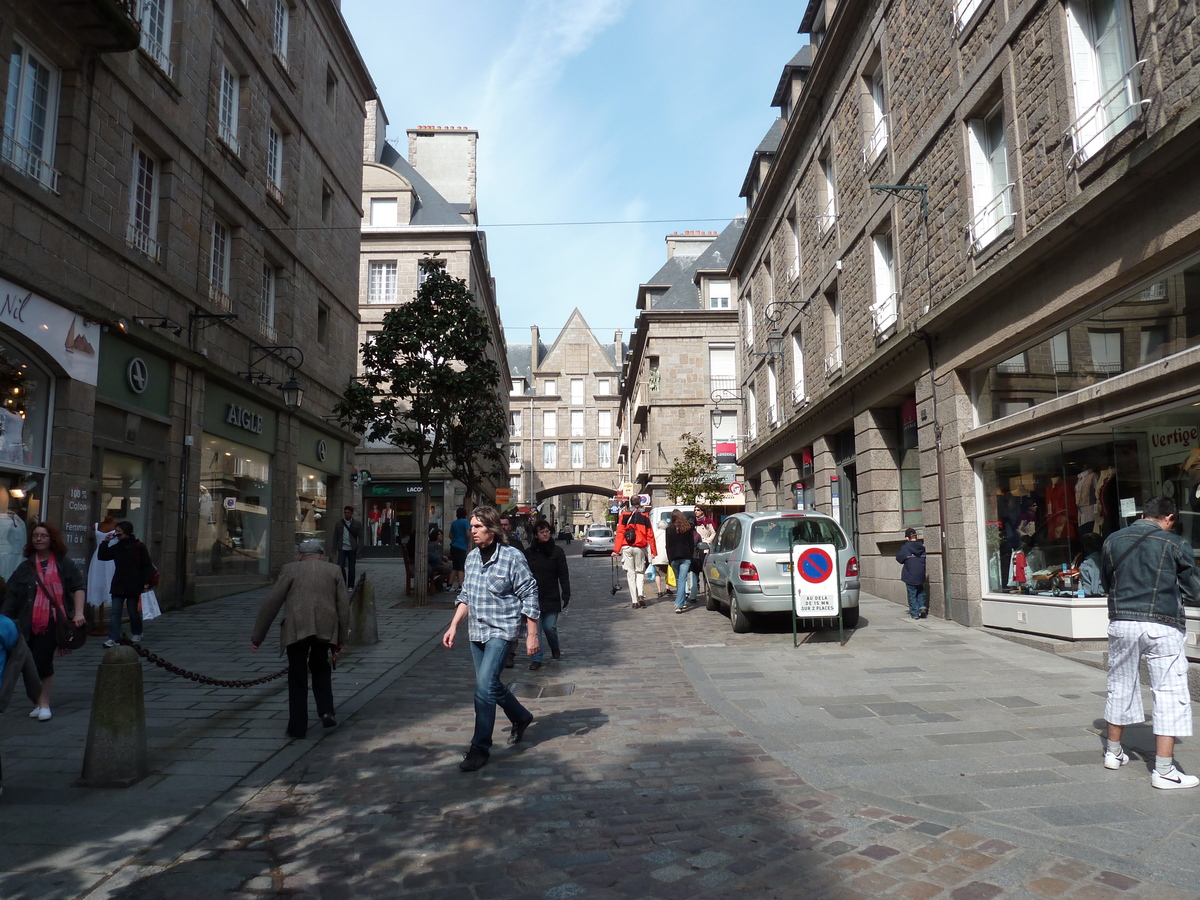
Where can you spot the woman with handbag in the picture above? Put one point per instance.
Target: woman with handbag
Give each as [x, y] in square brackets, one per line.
[681, 547]
[133, 574]
[36, 599]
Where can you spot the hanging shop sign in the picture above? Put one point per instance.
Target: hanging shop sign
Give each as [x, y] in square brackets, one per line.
[320, 451]
[133, 378]
[67, 337]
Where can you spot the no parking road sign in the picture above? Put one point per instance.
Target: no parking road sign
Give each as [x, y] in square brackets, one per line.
[816, 581]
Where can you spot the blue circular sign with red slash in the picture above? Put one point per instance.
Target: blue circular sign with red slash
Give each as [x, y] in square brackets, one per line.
[814, 565]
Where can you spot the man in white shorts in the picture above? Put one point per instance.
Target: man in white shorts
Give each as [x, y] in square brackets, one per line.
[1150, 572]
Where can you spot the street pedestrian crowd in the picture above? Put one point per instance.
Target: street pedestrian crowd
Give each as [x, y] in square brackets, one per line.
[508, 594]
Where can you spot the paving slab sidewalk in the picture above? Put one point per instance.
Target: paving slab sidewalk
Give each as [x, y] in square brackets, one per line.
[210, 748]
[671, 758]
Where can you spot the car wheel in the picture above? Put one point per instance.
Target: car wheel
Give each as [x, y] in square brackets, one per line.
[738, 620]
[850, 617]
[712, 604]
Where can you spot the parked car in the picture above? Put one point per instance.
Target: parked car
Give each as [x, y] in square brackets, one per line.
[599, 539]
[749, 566]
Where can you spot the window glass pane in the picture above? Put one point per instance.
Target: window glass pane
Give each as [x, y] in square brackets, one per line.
[911, 512]
[577, 423]
[234, 530]
[549, 423]
[549, 455]
[604, 454]
[577, 454]
[576, 391]
[310, 504]
[25, 410]
[604, 423]
[383, 212]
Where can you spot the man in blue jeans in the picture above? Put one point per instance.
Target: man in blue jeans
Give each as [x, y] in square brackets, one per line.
[499, 594]
[912, 558]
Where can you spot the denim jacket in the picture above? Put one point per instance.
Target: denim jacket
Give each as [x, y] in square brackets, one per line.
[1154, 581]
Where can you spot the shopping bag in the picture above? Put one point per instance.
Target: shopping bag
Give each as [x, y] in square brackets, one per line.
[650, 573]
[670, 576]
[149, 605]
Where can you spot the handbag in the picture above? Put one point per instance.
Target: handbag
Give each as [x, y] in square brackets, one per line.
[67, 635]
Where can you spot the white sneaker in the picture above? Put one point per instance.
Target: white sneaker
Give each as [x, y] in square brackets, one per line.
[35, 712]
[1173, 780]
[137, 638]
[1113, 761]
[44, 716]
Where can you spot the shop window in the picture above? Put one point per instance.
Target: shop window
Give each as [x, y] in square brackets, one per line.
[234, 530]
[24, 410]
[1054, 503]
[311, 496]
[123, 490]
[911, 513]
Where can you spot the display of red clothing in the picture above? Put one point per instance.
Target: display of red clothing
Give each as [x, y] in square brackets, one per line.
[1061, 512]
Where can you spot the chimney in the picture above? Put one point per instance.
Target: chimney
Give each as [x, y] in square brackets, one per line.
[689, 244]
[534, 339]
[617, 347]
[374, 131]
[445, 157]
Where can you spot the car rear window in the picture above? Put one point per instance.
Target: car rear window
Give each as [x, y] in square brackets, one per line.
[599, 532]
[771, 535]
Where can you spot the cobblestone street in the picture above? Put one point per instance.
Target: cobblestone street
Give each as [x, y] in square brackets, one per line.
[671, 758]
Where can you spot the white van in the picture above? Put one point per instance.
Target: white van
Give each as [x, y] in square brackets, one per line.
[660, 516]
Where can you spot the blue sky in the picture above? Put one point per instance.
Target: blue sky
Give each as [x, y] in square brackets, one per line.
[588, 110]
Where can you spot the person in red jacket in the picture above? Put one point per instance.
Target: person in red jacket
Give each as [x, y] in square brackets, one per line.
[635, 536]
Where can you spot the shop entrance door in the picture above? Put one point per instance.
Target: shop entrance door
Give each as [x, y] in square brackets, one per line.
[850, 503]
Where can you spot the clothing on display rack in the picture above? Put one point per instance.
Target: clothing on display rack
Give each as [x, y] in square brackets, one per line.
[100, 571]
[12, 542]
[1061, 510]
[1085, 499]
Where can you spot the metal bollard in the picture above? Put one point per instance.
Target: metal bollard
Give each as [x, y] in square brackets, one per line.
[115, 755]
[364, 623]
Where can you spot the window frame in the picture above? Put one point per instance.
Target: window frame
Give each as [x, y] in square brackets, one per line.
[38, 163]
[228, 111]
[377, 288]
[141, 230]
[155, 41]
[268, 301]
[549, 454]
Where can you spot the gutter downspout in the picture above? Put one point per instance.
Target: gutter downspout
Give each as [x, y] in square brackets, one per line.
[941, 474]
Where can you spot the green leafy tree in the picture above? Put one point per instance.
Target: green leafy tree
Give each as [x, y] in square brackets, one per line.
[693, 475]
[426, 375]
[474, 456]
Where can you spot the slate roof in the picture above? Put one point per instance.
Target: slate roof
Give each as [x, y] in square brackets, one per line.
[429, 207]
[683, 293]
[801, 62]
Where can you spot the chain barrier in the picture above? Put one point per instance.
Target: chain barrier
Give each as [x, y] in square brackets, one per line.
[193, 676]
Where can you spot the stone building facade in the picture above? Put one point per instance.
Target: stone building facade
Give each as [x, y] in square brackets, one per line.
[178, 196]
[564, 419]
[680, 375]
[415, 208]
[977, 237]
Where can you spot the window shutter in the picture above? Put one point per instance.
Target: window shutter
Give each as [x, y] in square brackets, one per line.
[981, 175]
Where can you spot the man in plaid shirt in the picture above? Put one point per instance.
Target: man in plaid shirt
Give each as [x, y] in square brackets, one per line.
[498, 595]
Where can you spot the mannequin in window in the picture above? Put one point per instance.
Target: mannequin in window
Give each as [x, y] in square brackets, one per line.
[1061, 510]
[12, 536]
[1085, 498]
[100, 572]
[1108, 507]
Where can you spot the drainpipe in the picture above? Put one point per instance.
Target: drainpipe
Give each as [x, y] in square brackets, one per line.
[941, 473]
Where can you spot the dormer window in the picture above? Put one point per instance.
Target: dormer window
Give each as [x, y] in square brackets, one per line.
[383, 211]
[816, 34]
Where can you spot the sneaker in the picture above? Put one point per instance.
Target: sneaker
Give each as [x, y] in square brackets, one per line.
[518, 731]
[44, 716]
[1115, 761]
[1171, 781]
[137, 638]
[679, 610]
[924, 612]
[557, 654]
[35, 712]
[473, 760]
[535, 665]
[109, 643]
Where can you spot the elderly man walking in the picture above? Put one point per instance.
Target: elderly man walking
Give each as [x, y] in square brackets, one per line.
[1150, 573]
[499, 595]
[316, 619]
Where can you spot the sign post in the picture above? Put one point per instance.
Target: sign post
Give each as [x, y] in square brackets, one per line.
[816, 586]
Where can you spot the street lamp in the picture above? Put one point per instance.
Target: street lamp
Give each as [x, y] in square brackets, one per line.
[293, 392]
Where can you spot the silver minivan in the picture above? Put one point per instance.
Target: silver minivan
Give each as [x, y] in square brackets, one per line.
[749, 566]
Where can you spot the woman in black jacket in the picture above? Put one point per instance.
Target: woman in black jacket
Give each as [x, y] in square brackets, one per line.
[548, 563]
[37, 588]
[681, 547]
[131, 579]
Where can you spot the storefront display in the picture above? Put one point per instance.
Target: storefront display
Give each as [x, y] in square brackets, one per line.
[1049, 507]
[124, 490]
[25, 389]
[311, 494]
[235, 509]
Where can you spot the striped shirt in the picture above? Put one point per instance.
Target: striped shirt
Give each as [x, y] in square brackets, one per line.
[498, 593]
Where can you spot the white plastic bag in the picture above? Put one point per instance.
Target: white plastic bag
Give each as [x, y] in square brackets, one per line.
[149, 604]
